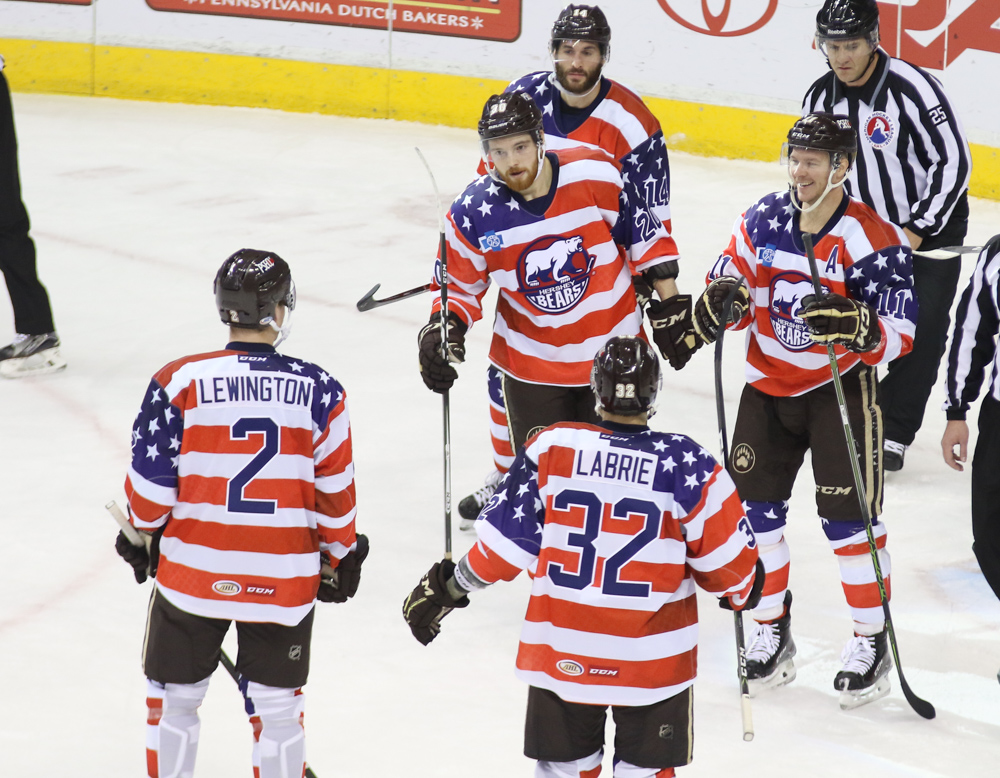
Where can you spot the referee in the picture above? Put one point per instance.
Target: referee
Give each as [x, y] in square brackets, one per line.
[973, 348]
[913, 168]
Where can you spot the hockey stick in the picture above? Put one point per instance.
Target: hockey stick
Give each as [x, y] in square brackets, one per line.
[368, 302]
[136, 539]
[922, 707]
[947, 252]
[445, 401]
[741, 648]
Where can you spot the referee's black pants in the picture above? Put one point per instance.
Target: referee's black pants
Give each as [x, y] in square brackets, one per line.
[28, 298]
[986, 493]
[907, 386]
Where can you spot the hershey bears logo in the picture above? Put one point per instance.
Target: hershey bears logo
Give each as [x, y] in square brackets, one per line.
[743, 458]
[787, 291]
[554, 272]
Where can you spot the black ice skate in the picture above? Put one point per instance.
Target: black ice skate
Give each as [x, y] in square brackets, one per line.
[470, 506]
[770, 652]
[31, 355]
[865, 676]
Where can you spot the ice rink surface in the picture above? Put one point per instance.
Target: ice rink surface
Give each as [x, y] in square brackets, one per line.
[134, 206]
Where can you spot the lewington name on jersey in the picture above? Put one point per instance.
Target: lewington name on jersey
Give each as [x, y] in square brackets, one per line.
[632, 467]
[255, 388]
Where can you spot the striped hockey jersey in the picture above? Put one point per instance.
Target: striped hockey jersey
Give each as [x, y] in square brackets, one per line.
[244, 457]
[616, 524]
[564, 276]
[619, 124]
[858, 255]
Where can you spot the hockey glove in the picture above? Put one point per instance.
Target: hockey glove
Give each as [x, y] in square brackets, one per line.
[643, 291]
[145, 558]
[431, 601]
[340, 584]
[708, 309]
[835, 319]
[753, 599]
[673, 330]
[435, 370]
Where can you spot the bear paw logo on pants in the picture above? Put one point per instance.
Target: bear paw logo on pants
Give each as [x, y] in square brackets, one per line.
[554, 272]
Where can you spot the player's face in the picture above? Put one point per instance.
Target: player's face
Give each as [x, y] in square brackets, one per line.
[809, 173]
[849, 59]
[578, 65]
[516, 160]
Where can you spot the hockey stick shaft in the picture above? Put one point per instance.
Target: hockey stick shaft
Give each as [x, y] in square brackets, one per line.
[445, 399]
[746, 711]
[135, 538]
[922, 707]
[368, 302]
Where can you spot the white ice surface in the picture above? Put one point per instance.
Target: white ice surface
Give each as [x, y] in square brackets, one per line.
[134, 206]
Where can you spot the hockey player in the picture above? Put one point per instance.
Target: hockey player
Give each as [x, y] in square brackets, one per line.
[617, 523]
[242, 471]
[973, 347]
[913, 168]
[582, 107]
[35, 350]
[789, 405]
[562, 234]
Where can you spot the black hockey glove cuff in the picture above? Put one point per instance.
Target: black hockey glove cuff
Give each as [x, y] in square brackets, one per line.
[673, 329]
[756, 591]
[643, 291]
[833, 318]
[708, 310]
[438, 375]
[431, 601]
[136, 556]
[341, 583]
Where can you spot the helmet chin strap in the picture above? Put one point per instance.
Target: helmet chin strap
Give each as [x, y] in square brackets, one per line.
[284, 330]
[829, 187]
[564, 91]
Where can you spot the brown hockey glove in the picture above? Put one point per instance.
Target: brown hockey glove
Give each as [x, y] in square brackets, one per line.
[753, 599]
[144, 559]
[833, 318]
[708, 309]
[673, 329]
[431, 601]
[643, 291]
[340, 584]
[435, 370]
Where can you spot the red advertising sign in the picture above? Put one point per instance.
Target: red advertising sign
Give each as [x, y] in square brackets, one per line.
[934, 35]
[497, 20]
[732, 19]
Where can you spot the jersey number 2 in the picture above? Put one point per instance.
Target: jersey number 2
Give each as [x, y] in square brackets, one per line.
[235, 501]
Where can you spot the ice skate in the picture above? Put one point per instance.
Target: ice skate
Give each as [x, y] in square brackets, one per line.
[893, 454]
[865, 676]
[31, 355]
[770, 652]
[471, 505]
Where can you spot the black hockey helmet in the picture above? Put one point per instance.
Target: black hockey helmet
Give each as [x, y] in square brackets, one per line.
[249, 287]
[625, 377]
[824, 132]
[510, 113]
[582, 23]
[847, 19]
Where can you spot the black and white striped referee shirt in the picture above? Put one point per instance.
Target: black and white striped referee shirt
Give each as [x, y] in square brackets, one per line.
[973, 341]
[913, 158]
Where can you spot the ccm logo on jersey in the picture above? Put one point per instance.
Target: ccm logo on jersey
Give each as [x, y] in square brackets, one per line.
[228, 588]
[260, 591]
[606, 672]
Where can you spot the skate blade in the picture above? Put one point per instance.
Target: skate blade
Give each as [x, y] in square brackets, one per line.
[466, 525]
[783, 674]
[855, 699]
[42, 363]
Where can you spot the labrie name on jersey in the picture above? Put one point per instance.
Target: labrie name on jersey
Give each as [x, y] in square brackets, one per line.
[616, 525]
[564, 276]
[619, 124]
[248, 454]
[858, 255]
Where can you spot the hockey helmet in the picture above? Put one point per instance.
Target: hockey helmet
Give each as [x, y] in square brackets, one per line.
[510, 113]
[845, 20]
[582, 23]
[249, 287]
[823, 132]
[625, 377]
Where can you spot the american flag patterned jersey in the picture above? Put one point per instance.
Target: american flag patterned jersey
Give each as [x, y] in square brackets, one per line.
[858, 255]
[245, 456]
[564, 276]
[615, 524]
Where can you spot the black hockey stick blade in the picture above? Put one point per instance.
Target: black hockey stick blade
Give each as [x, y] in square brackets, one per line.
[368, 302]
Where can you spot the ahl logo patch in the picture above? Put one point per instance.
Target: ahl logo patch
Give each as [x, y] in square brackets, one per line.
[570, 667]
[228, 588]
[879, 130]
[554, 272]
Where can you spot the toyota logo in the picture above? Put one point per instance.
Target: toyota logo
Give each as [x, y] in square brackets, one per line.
[751, 16]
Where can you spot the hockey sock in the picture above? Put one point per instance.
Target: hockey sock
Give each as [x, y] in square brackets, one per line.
[503, 452]
[849, 542]
[172, 727]
[279, 749]
[588, 767]
[625, 770]
[768, 522]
